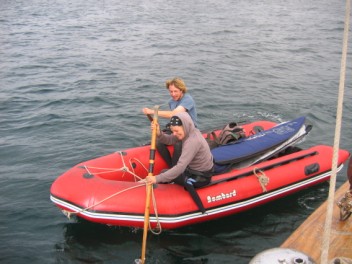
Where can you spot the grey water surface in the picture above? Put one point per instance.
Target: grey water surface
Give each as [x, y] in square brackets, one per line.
[74, 76]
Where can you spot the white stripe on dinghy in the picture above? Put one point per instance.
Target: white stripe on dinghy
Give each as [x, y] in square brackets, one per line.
[195, 215]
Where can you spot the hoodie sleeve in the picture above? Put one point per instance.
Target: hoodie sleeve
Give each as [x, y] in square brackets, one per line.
[167, 139]
[187, 155]
[195, 151]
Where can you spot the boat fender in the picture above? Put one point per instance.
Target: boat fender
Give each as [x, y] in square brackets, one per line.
[312, 168]
[281, 255]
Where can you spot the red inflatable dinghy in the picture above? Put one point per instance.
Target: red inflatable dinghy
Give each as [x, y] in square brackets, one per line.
[107, 189]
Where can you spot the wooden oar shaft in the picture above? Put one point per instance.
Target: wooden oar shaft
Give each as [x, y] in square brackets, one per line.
[152, 151]
[149, 186]
[146, 222]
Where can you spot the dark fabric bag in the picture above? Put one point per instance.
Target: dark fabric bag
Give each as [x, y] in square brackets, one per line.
[229, 134]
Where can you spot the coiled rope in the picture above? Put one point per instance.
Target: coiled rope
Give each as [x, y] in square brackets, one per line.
[328, 220]
[262, 178]
[345, 205]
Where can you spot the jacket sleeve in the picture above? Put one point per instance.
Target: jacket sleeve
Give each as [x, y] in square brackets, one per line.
[189, 150]
[167, 139]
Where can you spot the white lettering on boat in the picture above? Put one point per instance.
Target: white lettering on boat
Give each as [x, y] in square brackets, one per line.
[221, 196]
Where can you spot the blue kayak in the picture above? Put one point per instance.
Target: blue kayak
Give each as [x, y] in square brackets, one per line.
[260, 146]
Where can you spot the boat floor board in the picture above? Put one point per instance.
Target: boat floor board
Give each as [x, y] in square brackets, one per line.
[307, 238]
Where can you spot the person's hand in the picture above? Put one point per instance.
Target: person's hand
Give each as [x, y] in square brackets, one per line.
[150, 179]
[156, 126]
[147, 111]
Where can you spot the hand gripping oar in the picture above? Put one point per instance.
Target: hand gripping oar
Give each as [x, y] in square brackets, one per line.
[149, 186]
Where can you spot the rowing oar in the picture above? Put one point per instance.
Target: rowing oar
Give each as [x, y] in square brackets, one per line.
[150, 117]
[149, 186]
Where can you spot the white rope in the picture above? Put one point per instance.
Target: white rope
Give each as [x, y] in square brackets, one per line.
[158, 225]
[135, 175]
[68, 214]
[125, 169]
[104, 170]
[328, 220]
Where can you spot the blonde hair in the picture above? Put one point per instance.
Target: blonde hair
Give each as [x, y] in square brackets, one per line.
[178, 83]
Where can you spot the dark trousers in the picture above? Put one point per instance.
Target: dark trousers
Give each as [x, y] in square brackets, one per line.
[164, 152]
[191, 179]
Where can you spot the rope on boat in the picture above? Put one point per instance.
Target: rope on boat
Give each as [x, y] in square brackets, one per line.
[158, 228]
[262, 178]
[87, 169]
[328, 220]
[69, 214]
[124, 168]
[345, 205]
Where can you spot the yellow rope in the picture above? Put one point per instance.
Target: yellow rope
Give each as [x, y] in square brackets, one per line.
[328, 220]
[262, 178]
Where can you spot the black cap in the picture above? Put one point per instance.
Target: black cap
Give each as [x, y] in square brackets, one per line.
[175, 121]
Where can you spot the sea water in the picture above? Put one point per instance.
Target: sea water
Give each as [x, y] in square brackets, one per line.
[75, 75]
